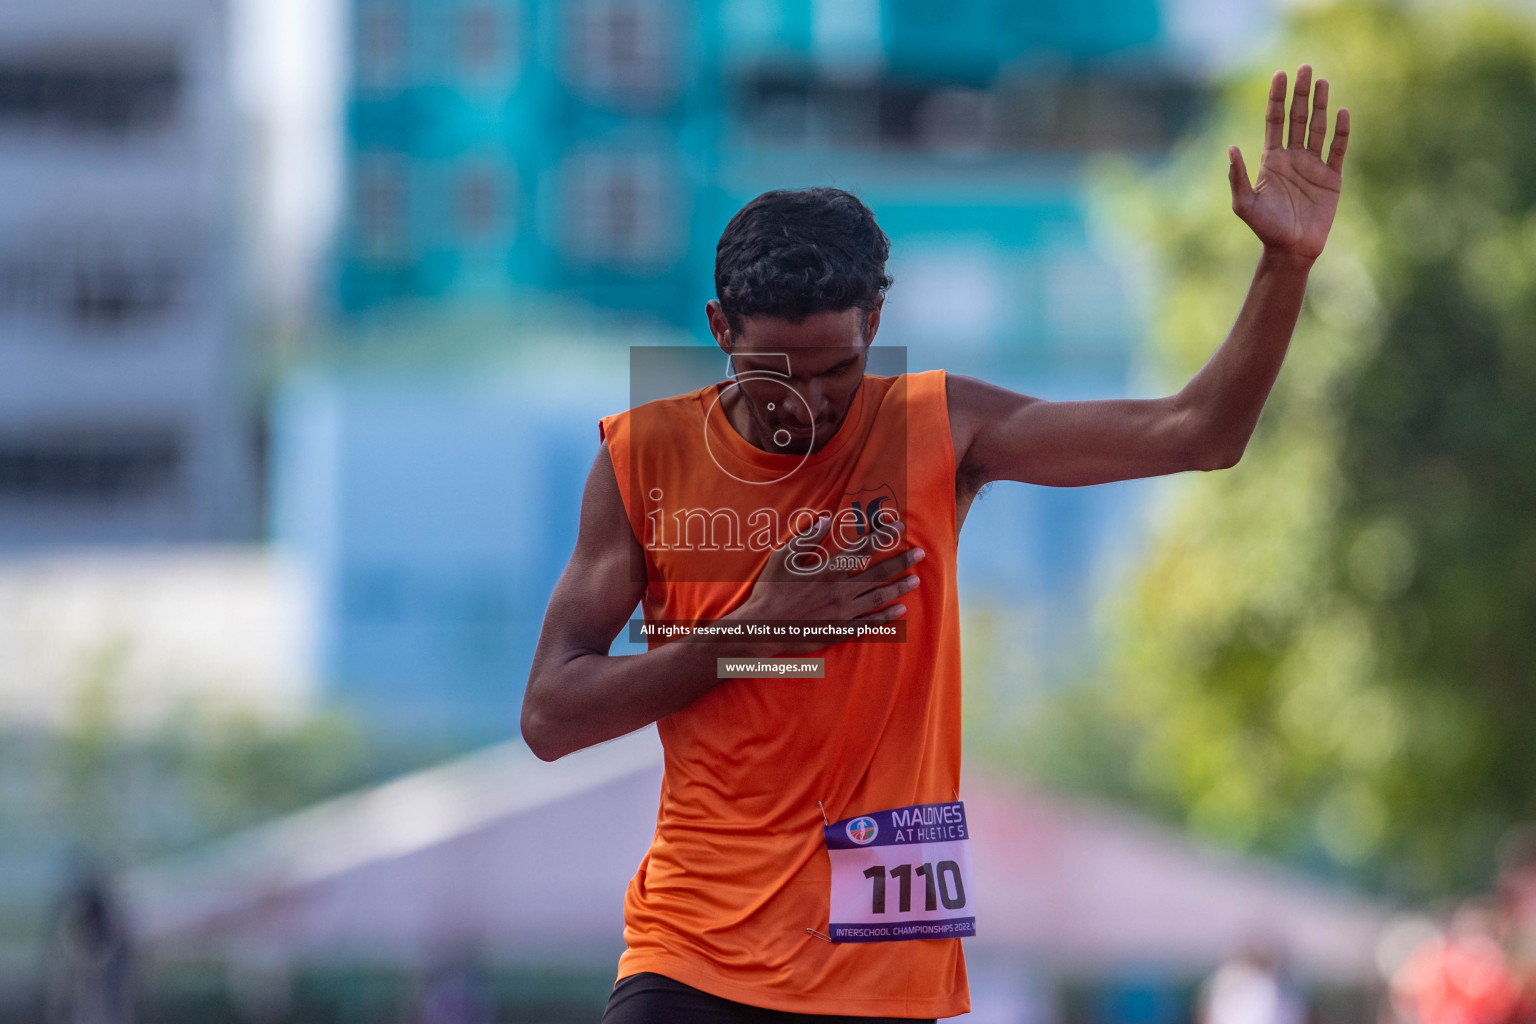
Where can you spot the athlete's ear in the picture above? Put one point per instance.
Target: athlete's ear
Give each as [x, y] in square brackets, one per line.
[872, 321]
[719, 326]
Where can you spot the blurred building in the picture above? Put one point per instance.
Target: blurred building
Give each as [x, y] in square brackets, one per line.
[122, 413]
[433, 512]
[596, 147]
[152, 634]
[501, 145]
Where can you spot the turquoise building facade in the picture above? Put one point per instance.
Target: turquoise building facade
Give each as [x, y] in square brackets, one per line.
[594, 148]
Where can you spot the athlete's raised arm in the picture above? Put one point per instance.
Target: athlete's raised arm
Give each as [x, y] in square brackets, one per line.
[578, 694]
[1002, 435]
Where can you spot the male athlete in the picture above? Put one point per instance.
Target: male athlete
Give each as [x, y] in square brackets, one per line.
[809, 859]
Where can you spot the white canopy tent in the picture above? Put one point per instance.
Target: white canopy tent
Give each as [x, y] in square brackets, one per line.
[527, 862]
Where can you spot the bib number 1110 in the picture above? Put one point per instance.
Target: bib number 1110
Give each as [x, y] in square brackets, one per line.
[901, 874]
[941, 884]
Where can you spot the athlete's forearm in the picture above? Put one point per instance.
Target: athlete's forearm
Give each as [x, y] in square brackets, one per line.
[1224, 399]
[589, 697]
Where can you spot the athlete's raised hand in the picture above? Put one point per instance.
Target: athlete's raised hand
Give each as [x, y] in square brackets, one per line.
[1292, 204]
[853, 584]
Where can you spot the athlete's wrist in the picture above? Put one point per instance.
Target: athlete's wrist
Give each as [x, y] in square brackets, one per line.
[1285, 260]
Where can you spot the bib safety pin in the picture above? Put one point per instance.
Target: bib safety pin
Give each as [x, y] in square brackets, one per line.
[824, 822]
[820, 935]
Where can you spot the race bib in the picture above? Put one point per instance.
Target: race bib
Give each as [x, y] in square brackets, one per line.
[901, 874]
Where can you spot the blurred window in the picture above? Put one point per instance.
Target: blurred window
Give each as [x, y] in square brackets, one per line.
[478, 203]
[1097, 112]
[381, 44]
[1023, 113]
[101, 466]
[380, 207]
[957, 120]
[622, 210]
[90, 92]
[485, 39]
[109, 292]
[95, 285]
[622, 52]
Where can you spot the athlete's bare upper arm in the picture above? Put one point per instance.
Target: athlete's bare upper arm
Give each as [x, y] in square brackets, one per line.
[1002, 435]
[599, 589]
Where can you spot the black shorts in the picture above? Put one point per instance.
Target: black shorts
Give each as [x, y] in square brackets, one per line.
[654, 999]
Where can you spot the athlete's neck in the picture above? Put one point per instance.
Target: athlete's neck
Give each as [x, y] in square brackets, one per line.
[753, 428]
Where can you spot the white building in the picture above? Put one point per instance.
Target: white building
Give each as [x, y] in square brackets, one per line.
[124, 415]
[151, 635]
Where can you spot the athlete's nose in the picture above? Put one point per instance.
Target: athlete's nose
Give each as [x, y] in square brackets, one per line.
[796, 409]
[816, 400]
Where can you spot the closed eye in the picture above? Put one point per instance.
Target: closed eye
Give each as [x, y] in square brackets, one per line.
[842, 367]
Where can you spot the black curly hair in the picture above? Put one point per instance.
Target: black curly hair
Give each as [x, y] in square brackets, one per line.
[792, 253]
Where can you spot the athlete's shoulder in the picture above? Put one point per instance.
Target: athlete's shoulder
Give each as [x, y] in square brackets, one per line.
[915, 391]
[918, 376]
[923, 382]
[656, 413]
[930, 397]
[688, 401]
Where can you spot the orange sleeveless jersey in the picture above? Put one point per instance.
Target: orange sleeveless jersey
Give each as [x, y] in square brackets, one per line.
[737, 869]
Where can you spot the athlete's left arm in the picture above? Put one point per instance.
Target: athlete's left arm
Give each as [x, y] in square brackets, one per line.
[1002, 435]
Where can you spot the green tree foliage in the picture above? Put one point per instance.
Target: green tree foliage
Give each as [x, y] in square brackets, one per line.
[1330, 653]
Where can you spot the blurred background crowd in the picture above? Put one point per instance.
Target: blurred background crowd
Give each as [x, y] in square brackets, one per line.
[308, 309]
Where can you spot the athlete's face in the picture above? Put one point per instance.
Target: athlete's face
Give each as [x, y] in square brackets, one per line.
[797, 381]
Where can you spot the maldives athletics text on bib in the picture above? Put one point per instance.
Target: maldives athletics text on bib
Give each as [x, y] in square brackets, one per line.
[901, 874]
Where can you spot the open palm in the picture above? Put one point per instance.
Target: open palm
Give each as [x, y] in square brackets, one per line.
[1291, 207]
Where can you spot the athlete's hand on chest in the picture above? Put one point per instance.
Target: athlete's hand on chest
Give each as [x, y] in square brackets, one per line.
[806, 581]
